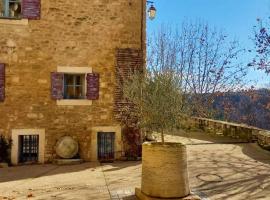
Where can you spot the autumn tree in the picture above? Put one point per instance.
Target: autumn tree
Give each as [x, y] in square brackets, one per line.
[261, 40]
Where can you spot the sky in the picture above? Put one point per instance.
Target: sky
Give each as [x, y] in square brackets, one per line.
[235, 17]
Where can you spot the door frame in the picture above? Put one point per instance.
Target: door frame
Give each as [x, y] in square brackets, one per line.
[15, 144]
[118, 143]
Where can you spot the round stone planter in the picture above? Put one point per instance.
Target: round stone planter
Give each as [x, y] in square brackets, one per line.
[164, 170]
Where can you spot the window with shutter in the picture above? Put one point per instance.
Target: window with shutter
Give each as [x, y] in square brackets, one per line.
[18, 9]
[10, 9]
[92, 86]
[31, 9]
[57, 81]
[2, 82]
[75, 86]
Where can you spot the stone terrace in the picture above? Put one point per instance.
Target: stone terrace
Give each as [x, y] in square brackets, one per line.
[219, 168]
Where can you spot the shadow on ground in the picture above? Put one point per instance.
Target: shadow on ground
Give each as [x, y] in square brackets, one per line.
[224, 168]
[119, 165]
[252, 150]
[36, 171]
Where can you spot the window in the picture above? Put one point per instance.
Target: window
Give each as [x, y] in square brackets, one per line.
[74, 86]
[10, 9]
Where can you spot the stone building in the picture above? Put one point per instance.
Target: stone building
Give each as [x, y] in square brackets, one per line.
[58, 62]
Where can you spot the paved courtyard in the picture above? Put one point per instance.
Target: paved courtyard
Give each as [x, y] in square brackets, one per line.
[219, 168]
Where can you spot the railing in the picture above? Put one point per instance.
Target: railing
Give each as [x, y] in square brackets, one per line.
[239, 131]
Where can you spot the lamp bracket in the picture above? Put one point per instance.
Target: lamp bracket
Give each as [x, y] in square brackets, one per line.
[149, 2]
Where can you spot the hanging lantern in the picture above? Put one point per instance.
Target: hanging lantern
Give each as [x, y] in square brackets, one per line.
[152, 12]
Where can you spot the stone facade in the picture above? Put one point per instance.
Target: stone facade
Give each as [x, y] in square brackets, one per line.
[71, 34]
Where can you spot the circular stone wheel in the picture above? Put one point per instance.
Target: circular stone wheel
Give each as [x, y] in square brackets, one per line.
[67, 147]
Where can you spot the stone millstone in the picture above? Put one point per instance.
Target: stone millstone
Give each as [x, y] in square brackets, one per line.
[67, 147]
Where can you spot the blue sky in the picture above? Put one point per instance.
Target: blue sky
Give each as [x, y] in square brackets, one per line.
[235, 17]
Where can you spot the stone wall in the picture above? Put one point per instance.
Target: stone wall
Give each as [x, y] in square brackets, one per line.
[79, 33]
[264, 139]
[238, 131]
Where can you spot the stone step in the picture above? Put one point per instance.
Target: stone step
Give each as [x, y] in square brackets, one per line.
[67, 161]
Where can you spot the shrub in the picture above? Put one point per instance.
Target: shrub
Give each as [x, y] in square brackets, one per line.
[5, 146]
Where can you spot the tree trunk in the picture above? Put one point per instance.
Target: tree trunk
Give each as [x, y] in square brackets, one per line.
[162, 137]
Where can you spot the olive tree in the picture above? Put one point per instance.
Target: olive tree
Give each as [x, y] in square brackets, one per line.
[154, 101]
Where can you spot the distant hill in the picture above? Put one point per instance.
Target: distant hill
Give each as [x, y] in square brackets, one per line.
[249, 107]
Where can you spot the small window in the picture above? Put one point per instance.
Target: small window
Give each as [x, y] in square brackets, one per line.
[10, 9]
[74, 86]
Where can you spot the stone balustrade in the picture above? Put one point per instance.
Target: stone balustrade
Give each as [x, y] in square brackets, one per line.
[242, 132]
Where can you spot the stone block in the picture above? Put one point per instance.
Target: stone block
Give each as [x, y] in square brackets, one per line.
[264, 139]
[67, 161]
[141, 196]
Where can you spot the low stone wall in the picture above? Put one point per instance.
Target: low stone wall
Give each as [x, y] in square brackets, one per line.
[238, 131]
[233, 130]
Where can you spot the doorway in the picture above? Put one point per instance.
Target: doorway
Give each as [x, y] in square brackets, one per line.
[28, 148]
[106, 141]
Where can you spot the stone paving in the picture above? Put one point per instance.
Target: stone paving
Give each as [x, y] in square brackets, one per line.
[219, 168]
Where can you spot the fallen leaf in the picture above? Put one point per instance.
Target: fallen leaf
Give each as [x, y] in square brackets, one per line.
[30, 195]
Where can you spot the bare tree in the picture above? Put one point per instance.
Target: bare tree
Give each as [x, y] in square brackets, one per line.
[206, 62]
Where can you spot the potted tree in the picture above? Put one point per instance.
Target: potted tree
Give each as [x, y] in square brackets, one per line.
[155, 104]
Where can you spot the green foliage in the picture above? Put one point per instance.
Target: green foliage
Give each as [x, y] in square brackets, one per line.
[154, 101]
[5, 145]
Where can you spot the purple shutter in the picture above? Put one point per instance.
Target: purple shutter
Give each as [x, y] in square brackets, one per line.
[57, 81]
[2, 82]
[31, 9]
[92, 86]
